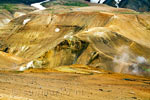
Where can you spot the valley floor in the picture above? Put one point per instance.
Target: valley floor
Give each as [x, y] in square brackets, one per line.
[67, 86]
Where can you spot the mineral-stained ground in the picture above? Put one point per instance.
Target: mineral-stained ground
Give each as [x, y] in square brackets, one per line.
[76, 53]
[68, 86]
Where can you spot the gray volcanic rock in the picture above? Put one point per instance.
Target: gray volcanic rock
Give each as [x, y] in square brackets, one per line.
[138, 5]
[110, 2]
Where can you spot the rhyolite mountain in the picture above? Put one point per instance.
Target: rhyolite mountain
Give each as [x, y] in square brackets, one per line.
[67, 52]
[95, 36]
[138, 5]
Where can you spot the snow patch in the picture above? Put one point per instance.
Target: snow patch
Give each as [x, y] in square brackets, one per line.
[117, 3]
[22, 68]
[94, 1]
[29, 65]
[66, 36]
[98, 1]
[99, 33]
[24, 48]
[69, 36]
[102, 1]
[39, 6]
[26, 21]
[57, 30]
[96, 71]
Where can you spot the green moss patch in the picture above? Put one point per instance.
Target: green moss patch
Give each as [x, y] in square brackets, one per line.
[9, 7]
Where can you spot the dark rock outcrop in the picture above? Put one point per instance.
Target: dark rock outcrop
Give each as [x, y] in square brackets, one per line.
[138, 5]
[110, 3]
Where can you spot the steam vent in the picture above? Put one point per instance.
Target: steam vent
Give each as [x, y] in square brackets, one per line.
[74, 50]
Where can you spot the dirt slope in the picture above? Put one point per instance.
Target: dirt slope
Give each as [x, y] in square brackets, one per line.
[64, 86]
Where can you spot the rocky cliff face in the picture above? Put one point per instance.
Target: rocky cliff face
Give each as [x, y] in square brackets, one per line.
[105, 40]
[138, 5]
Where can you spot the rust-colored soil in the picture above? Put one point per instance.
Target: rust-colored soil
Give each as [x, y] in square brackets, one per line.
[67, 86]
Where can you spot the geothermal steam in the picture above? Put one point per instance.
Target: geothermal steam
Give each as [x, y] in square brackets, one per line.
[127, 62]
